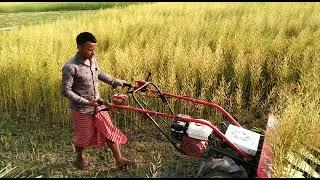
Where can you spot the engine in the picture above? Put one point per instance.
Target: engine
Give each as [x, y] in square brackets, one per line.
[193, 147]
[192, 138]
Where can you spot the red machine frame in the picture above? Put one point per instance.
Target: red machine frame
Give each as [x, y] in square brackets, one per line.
[142, 86]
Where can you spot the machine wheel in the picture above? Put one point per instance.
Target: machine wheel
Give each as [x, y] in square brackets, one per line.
[221, 168]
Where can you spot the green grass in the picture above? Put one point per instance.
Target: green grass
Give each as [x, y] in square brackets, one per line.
[15, 20]
[40, 149]
[16, 7]
[251, 58]
[15, 14]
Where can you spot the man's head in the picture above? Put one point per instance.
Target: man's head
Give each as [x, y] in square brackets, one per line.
[86, 44]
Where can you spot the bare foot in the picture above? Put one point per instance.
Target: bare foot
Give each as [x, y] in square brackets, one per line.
[125, 162]
[82, 163]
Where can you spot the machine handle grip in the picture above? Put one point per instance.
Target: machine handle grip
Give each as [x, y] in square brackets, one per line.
[127, 85]
[101, 102]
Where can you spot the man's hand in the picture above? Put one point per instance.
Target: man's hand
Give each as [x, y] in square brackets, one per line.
[93, 103]
[122, 82]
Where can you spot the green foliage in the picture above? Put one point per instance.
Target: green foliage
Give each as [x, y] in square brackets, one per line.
[16, 7]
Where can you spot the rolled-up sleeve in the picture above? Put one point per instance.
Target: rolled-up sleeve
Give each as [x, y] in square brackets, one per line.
[68, 74]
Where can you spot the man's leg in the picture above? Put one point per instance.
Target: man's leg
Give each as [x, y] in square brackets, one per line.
[80, 159]
[120, 161]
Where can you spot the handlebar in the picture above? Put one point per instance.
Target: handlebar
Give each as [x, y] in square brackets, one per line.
[101, 102]
[138, 84]
[127, 85]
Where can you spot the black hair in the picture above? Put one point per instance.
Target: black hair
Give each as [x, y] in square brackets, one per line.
[84, 37]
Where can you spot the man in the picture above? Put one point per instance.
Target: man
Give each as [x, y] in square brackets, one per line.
[80, 77]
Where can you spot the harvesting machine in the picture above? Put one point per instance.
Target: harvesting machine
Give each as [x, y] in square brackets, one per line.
[238, 151]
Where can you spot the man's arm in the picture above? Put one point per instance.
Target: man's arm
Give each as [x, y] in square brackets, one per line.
[67, 81]
[110, 80]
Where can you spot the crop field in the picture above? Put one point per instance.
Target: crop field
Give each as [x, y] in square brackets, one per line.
[253, 59]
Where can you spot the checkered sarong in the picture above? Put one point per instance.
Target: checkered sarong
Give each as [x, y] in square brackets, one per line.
[95, 129]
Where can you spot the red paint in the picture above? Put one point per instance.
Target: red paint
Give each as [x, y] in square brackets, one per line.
[233, 121]
[264, 167]
[215, 129]
[119, 99]
[193, 147]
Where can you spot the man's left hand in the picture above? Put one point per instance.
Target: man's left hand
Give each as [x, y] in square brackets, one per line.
[122, 82]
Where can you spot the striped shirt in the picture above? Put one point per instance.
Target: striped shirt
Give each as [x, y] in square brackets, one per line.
[80, 83]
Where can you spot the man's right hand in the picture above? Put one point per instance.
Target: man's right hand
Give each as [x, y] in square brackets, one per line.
[93, 103]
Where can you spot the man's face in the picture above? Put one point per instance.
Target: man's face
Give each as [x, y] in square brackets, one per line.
[87, 50]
